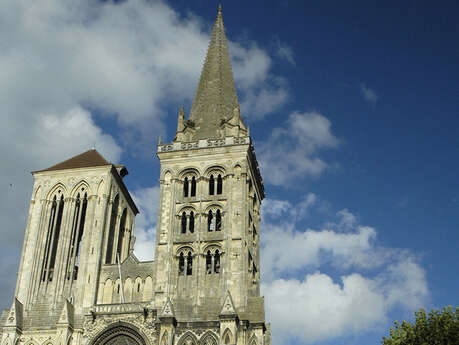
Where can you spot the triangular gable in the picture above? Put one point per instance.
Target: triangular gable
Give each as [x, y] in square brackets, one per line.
[228, 307]
[168, 309]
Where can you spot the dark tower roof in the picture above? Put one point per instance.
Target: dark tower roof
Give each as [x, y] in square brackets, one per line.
[87, 159]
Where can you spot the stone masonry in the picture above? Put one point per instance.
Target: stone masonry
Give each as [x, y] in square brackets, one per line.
[79, 282]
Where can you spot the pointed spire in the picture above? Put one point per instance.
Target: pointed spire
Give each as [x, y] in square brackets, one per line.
[215, 98]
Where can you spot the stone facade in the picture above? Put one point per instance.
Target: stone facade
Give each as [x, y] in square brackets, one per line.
[79, 282]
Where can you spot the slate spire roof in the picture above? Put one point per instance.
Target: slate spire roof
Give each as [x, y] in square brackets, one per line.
[215, 99]
[87, 159]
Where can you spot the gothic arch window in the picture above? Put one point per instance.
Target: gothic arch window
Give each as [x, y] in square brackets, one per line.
[189, 264]
[218, 221]
[52, 238]
[208, 339]
[190, 180]
[208, 263]
[253, 340]
[181, 264]
[210, 221]
[214, 219]
[217, 262]
[213, 260]
[186, 186]
[183, 220]
[74, 252]
[211, 185]
[186, 220]
[185, 261]
[111, 231]
[219, 184]
[165, 339]
[191, 222]
[193, 186]
[121, 334]
[121, 234]
[188, 339]
[227, 337]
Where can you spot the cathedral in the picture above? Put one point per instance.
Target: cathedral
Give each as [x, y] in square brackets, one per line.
[79, 281]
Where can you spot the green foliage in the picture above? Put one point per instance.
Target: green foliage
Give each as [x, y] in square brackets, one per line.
[437, 328]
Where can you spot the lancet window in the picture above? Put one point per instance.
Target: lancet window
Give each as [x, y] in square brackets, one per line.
[74, 253]
[52, 239]
[111, 231]
[219, 184]
[121, 234]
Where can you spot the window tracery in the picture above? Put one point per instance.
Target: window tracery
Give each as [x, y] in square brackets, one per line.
[214, 219]
[187, 221]
[185, 262]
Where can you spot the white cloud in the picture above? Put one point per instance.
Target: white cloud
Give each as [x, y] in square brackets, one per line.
[317, 308]
[63, 63]
[291, 151]
[314, 307]
[147, 200]
[369, 94]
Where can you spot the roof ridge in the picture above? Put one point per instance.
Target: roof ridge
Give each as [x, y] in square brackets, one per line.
[90, 158]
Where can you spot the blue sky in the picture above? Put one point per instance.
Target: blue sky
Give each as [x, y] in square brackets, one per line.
[352, 109]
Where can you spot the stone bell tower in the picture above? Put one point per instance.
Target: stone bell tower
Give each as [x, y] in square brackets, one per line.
[79, 281]
[207, 248]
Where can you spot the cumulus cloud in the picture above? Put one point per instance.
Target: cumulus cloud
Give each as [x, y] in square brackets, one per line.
[291, 151]
[317, 306]
[262, 92]
[147, 200]
[368, 94]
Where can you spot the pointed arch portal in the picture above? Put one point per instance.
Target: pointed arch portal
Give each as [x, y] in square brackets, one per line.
[119, 335]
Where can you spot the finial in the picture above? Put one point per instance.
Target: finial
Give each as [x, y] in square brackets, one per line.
[181, 111]
[159, 140]
[220, 9]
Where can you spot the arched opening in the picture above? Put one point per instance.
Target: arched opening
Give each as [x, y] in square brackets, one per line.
[121, 232]
[54, 228]
[120, 335]
[73, 260]
[208, 263]
[219, 184]
[210, 221]
[183, 222]
[181, 265]
[211, 185]
[193, 186]
[218, 221]
[185, 187]
[189, 264]
[111, 231]
[217, 262]
[191, 226]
